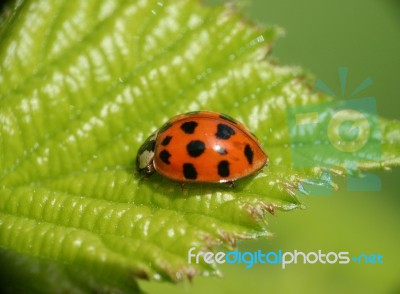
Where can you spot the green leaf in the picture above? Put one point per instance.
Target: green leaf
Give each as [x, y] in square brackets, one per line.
[83, 83]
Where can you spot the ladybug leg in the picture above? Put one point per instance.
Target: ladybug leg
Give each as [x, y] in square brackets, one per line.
[182, 185]
[230, 184]
[145, 176]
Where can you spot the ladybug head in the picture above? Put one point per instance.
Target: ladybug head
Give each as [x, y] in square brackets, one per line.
[144, 157]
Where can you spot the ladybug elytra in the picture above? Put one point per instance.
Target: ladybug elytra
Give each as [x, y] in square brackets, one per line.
[201, 146]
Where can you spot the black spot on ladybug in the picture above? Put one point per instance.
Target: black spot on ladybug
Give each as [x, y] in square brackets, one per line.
[189, 171]
[223, 168]
[165, 127]
[220, 150]
[224, 131]
[164, 156]
[189, 126]
[228, 118]
[249, 154]
[166, 140]
[195, 148]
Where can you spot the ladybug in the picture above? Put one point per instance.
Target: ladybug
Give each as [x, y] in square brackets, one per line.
[203, 147]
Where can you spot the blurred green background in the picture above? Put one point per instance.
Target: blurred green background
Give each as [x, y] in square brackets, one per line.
[321, 36]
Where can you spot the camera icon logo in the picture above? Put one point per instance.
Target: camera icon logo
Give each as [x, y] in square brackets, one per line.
[345, 137]
[338, 133]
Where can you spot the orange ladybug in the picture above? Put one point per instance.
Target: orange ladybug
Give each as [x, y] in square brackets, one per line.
[203, 147]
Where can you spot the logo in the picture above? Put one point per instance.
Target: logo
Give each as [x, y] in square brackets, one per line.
[337, 134]
[281, 258]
